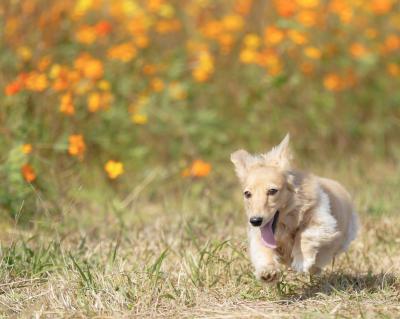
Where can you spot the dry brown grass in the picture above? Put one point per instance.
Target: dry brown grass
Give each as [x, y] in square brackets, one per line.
[181, 252]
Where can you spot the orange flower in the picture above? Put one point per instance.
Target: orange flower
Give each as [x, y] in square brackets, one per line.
[199, 168]
[273, 35]
[380, 6]
[67, 104]
[28, 173]
[307, 68]
[312, 53]
[90, 67]
[124, 52]
[103, 28]
[357, 50]
[36, 81]
[212, 29]
[393, 69]
[142, 41]
[332, 82]
[297, 37]
[149, 69]
[86, 34]
[76, 145]
[168, 25]
[27, 149]
[307, 18]
[114, 169]
[243, 6]
[157, 85]
[392, 43]
[204, 67]
[13, 88]
[285, 8]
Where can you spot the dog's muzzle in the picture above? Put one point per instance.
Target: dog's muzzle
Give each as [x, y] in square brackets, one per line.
[256, 221]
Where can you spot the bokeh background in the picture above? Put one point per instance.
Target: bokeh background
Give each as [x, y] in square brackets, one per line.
[96, 95]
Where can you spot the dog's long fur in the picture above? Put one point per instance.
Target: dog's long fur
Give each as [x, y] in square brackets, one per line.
[316, 218]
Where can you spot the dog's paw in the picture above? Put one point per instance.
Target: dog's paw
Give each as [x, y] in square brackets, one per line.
[268, 276]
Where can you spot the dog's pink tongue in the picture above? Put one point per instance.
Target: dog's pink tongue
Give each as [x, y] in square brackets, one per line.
[267, 235]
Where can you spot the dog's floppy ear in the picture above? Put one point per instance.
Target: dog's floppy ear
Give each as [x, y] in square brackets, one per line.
[241, 159]
[280, 155]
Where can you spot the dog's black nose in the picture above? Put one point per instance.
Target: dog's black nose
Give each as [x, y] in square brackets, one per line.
[256, 221]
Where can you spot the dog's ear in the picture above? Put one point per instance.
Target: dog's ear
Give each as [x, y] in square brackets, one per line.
[241, 159]
[280, 155]
[290, 179]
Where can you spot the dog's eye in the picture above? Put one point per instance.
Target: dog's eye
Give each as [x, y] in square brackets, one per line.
[247, 194]
[272, 191]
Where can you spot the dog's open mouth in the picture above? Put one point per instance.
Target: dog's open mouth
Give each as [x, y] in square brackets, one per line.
[268, 231]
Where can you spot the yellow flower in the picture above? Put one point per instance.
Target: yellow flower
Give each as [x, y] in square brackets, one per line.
[24, 53]
[308, 3]
[204, 67]
[28, 173]
[233, 22]
[312, 53]
[27, 148]
[114, 169]
[297, 37]
[94, 102]
[98, 100]
[104, 85]
[76, 145]
[252, 41]
[248, 56]
[140, 119]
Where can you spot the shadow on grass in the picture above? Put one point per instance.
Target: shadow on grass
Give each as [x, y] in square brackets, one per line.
[333, 283]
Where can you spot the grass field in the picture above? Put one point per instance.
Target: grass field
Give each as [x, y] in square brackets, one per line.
[182, 253]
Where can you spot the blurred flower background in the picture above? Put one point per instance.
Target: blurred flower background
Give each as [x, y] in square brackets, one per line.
[95, 94]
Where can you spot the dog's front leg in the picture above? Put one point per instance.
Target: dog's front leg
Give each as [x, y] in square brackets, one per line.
[263, 258]
[304, 252]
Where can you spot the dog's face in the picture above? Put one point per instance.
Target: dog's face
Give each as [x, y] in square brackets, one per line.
[267, 187]
[265, 191]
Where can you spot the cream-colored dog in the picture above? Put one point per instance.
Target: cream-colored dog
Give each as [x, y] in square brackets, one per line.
[296, 219]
